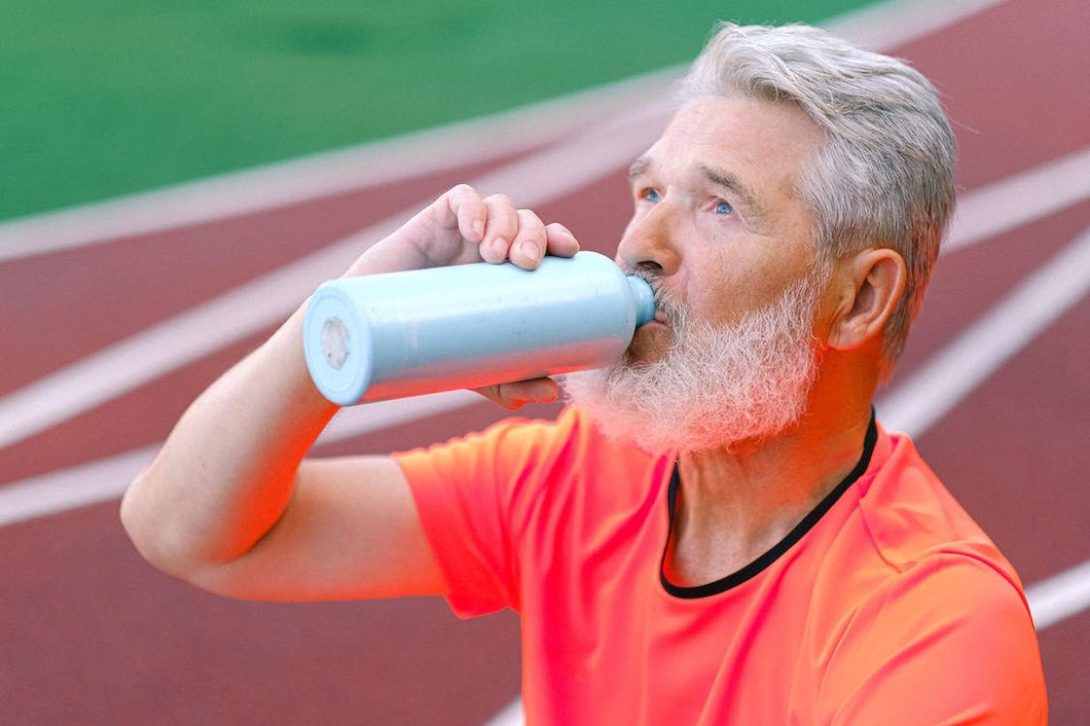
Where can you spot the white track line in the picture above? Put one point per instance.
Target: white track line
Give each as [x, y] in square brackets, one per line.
[76, 486]
[1060, 596]
[107, 478]
[1025, 197]
[510, 715]
[886, 25]
[320, 175]
[1042, 297]
[172, 343]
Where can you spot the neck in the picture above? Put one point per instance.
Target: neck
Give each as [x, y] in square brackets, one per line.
[735, 504]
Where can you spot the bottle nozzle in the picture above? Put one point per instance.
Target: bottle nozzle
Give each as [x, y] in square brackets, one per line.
[645, 300]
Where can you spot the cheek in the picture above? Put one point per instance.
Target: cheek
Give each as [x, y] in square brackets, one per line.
[716, 290]
[727, 293]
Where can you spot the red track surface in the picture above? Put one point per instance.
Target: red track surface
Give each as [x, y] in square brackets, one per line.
[90, 634]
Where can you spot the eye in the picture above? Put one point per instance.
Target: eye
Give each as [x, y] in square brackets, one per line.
[649, 195]
[722, 207]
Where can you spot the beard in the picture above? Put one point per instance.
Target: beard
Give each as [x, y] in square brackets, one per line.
[716, 385]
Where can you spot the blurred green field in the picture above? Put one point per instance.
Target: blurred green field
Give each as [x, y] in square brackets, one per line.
[102, 98]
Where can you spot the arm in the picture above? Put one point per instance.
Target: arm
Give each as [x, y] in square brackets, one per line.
[231, 505]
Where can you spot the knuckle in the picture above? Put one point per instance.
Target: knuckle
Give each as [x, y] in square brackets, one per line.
[529, 217]
[500, 200]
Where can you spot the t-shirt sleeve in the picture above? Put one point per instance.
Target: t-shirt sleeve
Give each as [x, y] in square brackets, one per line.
[473, 495]
[949, 642]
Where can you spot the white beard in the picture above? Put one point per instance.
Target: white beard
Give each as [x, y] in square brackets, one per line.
[716, 385]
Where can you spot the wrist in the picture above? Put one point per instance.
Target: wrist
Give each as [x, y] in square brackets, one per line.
[285, 347]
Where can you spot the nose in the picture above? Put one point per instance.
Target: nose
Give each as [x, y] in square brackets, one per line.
[649, 243]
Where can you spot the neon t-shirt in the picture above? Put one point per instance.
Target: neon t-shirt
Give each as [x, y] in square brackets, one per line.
[886, 605]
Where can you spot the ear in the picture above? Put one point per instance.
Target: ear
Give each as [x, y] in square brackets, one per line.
[871, 284]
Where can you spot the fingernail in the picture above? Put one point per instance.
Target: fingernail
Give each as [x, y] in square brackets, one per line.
[498, 245]
[529, 249]
[478, 228]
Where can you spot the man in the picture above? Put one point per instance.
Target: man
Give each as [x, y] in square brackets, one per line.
[717, 531]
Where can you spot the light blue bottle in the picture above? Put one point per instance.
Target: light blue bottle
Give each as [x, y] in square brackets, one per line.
[407, 333]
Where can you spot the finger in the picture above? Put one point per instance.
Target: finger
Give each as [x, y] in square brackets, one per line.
[559, 241]
[517, 394]
[469, 209]
[500, 228]
[535, 390]
[492, 393]
[528, 246]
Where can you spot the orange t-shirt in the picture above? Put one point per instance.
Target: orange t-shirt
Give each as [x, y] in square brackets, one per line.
[887, 605]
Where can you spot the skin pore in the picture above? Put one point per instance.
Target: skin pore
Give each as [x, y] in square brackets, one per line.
[720, 229]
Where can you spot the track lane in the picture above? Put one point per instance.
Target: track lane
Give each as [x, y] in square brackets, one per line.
[964, 286]
[1063, 649]
[1007, 76]
[1015, 450]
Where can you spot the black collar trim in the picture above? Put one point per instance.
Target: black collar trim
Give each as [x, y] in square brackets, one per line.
[764, 561]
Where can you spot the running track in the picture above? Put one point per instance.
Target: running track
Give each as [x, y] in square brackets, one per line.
[90, 634]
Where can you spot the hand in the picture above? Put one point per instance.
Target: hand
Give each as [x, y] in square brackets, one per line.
[515, 395]
[460, 227]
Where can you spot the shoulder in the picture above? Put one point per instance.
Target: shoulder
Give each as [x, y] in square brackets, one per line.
[913, 521]
[933, 603]
[930, 557]
[952, 589]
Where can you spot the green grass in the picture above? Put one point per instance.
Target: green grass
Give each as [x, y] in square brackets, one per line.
[105, 98]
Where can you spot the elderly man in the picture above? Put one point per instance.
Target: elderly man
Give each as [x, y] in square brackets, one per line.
[716, 530]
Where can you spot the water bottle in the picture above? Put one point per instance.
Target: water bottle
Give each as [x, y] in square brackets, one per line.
[407, 333]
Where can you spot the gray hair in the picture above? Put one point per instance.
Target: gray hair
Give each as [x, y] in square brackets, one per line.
[884, 176]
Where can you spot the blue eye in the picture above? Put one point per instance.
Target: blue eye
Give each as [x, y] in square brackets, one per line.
[723, 208]
[650, 195]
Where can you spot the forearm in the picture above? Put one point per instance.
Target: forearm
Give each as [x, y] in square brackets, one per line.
[225, 474]
[226, 505]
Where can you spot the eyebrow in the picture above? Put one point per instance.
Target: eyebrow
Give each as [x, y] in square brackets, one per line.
[728, 181]
[639, 167]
